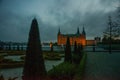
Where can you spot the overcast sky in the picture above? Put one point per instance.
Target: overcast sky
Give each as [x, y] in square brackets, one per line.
[16, 17]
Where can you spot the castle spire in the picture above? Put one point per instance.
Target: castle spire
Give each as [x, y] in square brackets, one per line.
[59, 31]
[83, 32]
[78, 31]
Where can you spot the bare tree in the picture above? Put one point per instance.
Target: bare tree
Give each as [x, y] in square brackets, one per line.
[115, 25]
[112, 29]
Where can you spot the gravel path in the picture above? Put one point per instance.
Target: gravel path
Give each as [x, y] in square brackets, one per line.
[102, 66]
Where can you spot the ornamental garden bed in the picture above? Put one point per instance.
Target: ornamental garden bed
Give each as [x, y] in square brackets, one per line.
[68, 71]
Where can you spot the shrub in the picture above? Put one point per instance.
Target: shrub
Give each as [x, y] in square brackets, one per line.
[1, 77]
[80, 68]
[68, 55]
[63, 69]
[68, 71]
[75, 48]
[76, 58]
[34, 63]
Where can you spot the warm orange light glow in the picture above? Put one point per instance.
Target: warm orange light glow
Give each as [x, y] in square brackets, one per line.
[79, 40]
[51, 44]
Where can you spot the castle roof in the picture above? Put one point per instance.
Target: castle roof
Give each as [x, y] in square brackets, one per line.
[78, 34]
[71, 35]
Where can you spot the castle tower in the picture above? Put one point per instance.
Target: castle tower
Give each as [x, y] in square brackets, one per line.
[59, 37]
[83, 32]
[59, 32]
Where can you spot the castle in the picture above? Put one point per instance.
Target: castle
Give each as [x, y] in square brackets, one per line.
[80, 38]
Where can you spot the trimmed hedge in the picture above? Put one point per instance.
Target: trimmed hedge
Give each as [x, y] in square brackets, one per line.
[48, 56]
[63, 69]
[52, 56]
[11, 65]
[68, 70]
[80, 69]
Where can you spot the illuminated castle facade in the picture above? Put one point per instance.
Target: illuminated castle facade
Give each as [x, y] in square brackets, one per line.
[80, 38]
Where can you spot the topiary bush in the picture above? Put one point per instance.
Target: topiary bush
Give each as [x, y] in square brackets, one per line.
[68, 55]
[34, 66]
[80, 68]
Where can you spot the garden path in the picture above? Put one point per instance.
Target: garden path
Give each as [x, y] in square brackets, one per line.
[102, 66]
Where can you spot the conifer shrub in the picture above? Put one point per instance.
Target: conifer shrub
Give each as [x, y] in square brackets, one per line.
[68, 55]
[34, 67]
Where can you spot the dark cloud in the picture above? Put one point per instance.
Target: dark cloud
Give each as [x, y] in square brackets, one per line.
[0, 1]
[16, 17]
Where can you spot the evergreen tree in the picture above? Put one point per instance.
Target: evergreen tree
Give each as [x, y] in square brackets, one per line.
[75, 48]
[75, 56]
[68, 55]
[1, 77]
[34, 67]
[80, 51]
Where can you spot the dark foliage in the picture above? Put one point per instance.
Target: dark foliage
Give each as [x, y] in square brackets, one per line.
[1, 45]
[68, 55]
[77, 57]
[79, 50]
[68, 71]
[107, 40]
[62, 71]
[34, 67]
[1, 77]
[75, 48]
